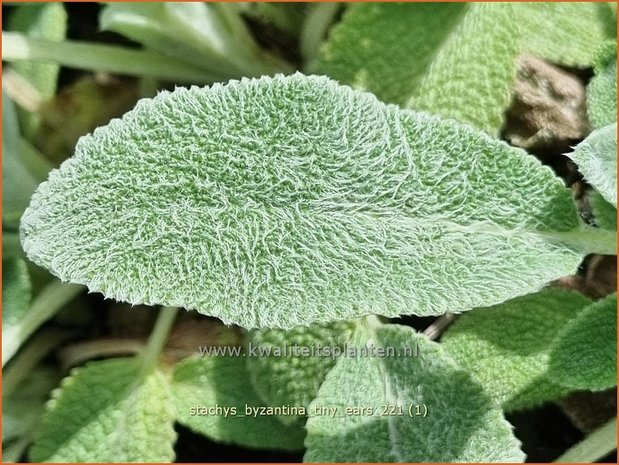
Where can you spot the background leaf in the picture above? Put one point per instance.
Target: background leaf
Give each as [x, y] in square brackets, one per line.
[596, 158]
[106, 412]
[294, 380]
[292, 200]
[42, 21]
[365, 50]
[16, 295]
[566, 33]
[475, 431]
[604, 213]
[15, 195]
[602, 90]
[584, 355]
[506, 347]
[460, 59]
[224, 381]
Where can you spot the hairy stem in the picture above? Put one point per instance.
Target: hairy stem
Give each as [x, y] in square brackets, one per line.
[49, 301]
[594, 447]
[158, 338]
[96, 57]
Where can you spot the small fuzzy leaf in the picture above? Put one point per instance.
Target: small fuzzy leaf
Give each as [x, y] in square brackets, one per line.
[602, 91]
[294, 378]
[604, 213]
[506, 347]
[584, 355]
[566, 33]
[596, 158]
[104, 412]
[461, 425]
[365, 50]
[18, 183]
[282, 201]
[223, 382]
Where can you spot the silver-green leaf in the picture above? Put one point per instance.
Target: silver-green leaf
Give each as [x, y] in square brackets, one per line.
[602, 90]
[461, 424]
[506, 347]
[584, 355]
[284, 374]
[211, 395]
[596, 158]
[108, 412]
[282, 201]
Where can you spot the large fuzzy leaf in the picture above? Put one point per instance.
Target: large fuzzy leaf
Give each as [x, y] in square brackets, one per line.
[596, 158]
[507, 347]
[285, 371]
[462, 424]
[584, 355]
[108, 412]
[204, 386]
[291, 200]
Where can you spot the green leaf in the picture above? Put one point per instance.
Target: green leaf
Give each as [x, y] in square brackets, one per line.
[596, 158]
[209, 36]
[602, 90]
[475, 87]
[365, 50]
[107, 412]
[462, 424]
[16, 291]
[567, 33]
[506, 347]
[203, 385]
[584, 355]
[604, 213]
[294, 377]
[42, 21]
[18, 183]
[292, 200]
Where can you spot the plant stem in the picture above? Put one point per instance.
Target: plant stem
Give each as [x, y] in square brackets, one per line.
[439, 325]
[49, 301]
[158, 338]
[97, 57]
[587, 240]
[594, 447]
[319, 18]
[29, 357]
[77, 354]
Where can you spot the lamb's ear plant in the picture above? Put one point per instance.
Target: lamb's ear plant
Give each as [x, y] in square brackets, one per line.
[184, 202]
[308, 212]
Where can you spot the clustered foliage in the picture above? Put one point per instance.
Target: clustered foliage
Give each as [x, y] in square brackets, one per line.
[309, 208]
